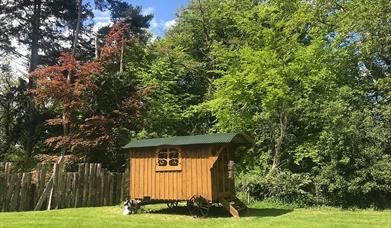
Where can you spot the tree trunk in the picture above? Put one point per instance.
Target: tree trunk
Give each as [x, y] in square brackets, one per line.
[30, 115]
[279, 141]
[77, 28]
[96, 46]
[36, 21]
[121, 60]
[204, 25]
[66, 114]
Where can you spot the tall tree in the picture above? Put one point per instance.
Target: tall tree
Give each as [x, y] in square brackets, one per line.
[48, 28]
[68, 96]
[88, 126]
[130, 21]
[44, 28]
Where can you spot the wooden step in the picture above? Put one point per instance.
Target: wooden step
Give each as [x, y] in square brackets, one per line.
[234, 206]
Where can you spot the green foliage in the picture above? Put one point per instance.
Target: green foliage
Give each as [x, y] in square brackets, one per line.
[173, 78]
[282, 186]
[306, 80]
[309, 80]
[14, 129]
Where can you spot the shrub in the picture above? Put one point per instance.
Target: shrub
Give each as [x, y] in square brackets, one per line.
[282, 186]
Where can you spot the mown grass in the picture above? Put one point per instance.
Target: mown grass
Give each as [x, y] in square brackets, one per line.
[260, 215]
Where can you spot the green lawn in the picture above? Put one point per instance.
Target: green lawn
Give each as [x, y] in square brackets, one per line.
[260, 215]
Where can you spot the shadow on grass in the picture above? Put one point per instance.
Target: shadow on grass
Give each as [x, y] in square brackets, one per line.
[220, 212]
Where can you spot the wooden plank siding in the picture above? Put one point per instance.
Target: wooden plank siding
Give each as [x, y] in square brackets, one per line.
[194, 178]
[222, 186]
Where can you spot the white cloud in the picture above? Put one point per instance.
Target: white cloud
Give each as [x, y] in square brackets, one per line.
[153, 38]
[156, 27]
[99, 25]
[147, 11]
[101, 19]
[159, 27]
[101, 16]
[154, 23]
[19, 63]
[169, 24]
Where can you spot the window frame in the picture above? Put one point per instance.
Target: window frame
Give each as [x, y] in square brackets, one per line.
[168, 167]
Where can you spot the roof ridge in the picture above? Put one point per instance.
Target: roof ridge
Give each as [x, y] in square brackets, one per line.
[237, 138]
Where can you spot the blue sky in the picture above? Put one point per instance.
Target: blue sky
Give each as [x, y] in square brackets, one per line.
[163, 10]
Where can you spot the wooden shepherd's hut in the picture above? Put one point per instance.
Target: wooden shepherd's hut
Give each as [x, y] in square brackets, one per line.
[198, 169]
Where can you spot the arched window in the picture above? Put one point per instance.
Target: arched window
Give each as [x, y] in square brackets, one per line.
[168, 159]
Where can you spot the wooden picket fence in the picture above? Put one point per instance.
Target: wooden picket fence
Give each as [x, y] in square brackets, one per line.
[50, 187]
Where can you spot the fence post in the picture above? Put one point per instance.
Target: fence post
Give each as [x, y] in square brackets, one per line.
[74, 189]
[102, 187]
[79, 191]
[23, 192]
[121, 198]
[91, 184]
[98, 184]
[2, 185]
[85, 188]
[41, 175]
[29, 189]
[16, 193]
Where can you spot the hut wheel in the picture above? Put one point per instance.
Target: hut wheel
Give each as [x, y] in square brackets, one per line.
[172, 204]
[198, 206]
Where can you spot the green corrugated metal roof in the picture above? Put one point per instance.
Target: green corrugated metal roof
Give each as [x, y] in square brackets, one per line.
[237, 138]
